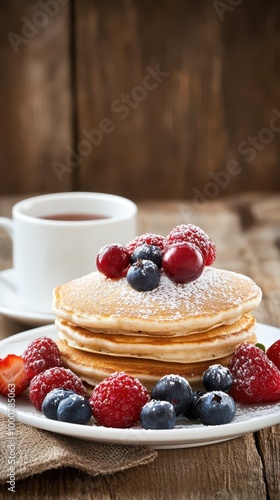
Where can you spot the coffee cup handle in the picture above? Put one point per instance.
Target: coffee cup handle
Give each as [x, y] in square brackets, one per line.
[7, 225]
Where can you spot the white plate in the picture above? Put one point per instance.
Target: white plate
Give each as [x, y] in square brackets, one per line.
[12, 307]
[249, 418]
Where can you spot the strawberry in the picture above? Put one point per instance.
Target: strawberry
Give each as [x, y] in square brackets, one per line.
[13, 378]
[255, 378]
[273, 353]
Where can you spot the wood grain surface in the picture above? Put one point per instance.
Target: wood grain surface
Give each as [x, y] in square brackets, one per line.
[35, 96]
[145, 99]
[246, 230]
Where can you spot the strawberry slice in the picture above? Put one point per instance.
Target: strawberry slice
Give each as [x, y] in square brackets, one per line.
[13, 379]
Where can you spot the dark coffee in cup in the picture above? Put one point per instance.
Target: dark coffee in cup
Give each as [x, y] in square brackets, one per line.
[73, 217]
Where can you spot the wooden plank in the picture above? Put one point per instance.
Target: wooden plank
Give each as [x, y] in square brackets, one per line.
[201, 473]
[35, 96]
[251, 42]
[176, 135]
[183, 478]
[165, 140]
[268, 442]
[178, 140]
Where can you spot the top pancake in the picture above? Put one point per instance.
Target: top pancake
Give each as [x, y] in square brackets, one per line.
[217, 297]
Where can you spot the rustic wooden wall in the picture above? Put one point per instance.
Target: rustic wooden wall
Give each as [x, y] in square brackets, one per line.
[145, 99]
[35, 95]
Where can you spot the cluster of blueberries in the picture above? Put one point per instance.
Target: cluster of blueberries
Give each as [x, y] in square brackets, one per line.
[144, 273]
[67, 406]
[172, 396]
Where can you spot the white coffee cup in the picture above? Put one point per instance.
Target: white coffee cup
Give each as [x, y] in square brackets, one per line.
[48, 252]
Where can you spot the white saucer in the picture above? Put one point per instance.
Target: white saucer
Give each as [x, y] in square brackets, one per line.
[12, 307]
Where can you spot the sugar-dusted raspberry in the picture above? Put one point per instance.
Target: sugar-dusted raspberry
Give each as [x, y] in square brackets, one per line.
[42, 353]
[148, 239]
[193, 234]
[255, 378]
[118, 400]
[273, 353]
[53, 378]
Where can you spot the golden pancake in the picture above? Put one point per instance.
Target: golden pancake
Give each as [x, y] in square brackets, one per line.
[218, 297]
[93, 368]
[208, 345]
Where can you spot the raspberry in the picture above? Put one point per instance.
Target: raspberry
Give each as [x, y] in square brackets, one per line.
[255, 378]
[193, 234]
[118, 400]
[148, 238]
[273, 353]
[41, 353]
[53, 378]
[112, 260]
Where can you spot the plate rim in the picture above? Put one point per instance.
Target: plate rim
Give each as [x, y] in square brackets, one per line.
[172, 438]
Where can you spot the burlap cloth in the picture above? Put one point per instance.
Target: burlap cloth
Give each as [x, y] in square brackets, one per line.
[37, 451]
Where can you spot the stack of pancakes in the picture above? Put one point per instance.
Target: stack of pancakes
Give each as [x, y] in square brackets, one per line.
[106, 326]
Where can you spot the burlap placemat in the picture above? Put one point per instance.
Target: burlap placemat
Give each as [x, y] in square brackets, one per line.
[33, 451]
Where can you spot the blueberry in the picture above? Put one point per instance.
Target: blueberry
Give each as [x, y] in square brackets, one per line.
[191, 413]
[147, 252]
[75, 409]
[143, 275]
[52, 400]
[158, 415]
[217, 378]
[176, 390]
[216, 408]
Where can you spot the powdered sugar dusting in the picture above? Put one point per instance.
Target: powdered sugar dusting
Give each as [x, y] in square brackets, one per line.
[244, 413]
[216, 297]
[214, 290]
[266, 414]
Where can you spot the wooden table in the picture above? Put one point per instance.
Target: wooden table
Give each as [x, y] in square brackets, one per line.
[246, 230]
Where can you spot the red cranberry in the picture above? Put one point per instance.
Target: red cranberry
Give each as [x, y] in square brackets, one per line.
[112, 260]
[183, 262]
